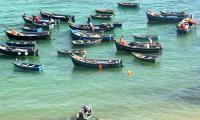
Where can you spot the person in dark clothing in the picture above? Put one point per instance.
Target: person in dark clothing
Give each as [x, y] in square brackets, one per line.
[89, 20]
[80, 115]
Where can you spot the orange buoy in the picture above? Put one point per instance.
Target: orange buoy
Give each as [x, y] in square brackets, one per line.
[129, 73]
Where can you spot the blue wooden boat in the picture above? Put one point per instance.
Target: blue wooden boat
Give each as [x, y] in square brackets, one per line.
[21, 43]
[128, 4]
[95, 63]
[28, 66]
[159, 17]
[101, 16]
[18, 51]
[69, 52]
[100, 27]
[146, 37]
[60, 17]
[186, 25]
[42, 23]
[145, 57]
[13, 34]
[80, 35]
[86, 42]
[138, 46]
[168, 13]
[105, 11]
[32, 29]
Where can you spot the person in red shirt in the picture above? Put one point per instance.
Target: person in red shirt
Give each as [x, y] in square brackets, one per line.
[183, 26]
[36, 19]
[122, 41]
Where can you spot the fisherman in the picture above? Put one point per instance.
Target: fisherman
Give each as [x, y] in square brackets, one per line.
[80, 115]
[89, 22]
[183, 26]
[191, 21]
[36, 19]
[183, 14]
[122, 41]
[150, 40]
[147, 45]
[52, 20]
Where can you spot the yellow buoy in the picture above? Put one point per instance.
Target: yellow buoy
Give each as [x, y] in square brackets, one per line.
[129, 73]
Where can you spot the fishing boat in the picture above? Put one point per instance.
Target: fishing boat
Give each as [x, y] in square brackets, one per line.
[105, 11]
[146, 37]
[17, 51]
[186, 25]
[60, 17]
[95, 63]
[168, 13]
[81, 35]
[146, 58]
[138, 46]
[100, 27]
[28, 66]
[117, 24]
[85, 42]
[31, 29]
[128, 4]
[101, 16]
[30, 19]
[159, 17]
[21, 43]
[40, 23]
[13, 34]
[69, 52]
[85, 113]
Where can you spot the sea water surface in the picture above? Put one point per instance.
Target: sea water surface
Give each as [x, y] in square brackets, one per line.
[168, 90]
